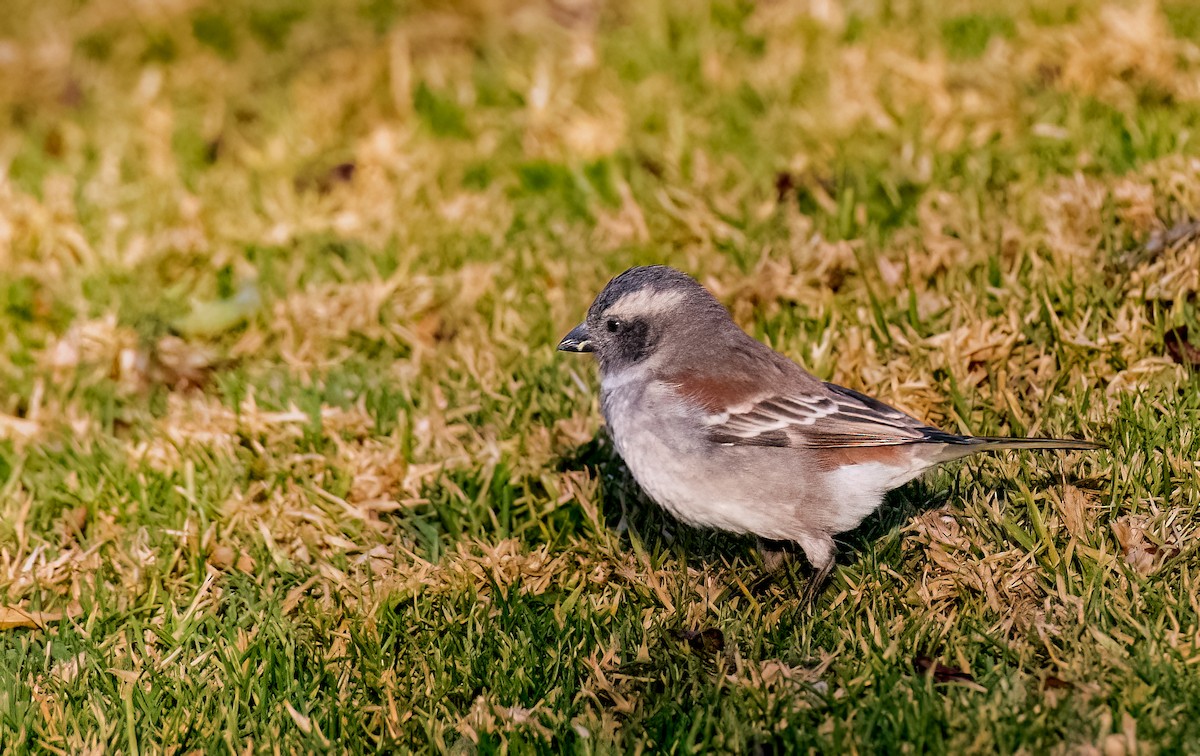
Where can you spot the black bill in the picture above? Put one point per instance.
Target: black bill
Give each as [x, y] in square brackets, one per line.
[577, 340]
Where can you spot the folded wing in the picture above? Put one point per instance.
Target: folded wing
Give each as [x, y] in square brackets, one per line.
[831, 417]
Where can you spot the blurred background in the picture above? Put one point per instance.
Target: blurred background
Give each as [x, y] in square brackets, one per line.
[280, 283]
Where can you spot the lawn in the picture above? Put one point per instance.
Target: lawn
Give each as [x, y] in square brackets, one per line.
[288, 461]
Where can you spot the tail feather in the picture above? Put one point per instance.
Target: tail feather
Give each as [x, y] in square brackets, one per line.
[962, 446]
[991, 443]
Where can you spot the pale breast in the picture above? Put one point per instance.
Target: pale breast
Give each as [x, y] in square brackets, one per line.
[641, 431]
[664, 447]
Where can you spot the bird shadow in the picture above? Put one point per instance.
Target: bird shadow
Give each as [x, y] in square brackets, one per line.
[628, 512]
[625, 508]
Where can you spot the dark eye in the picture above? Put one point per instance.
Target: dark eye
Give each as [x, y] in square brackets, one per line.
[613, 325]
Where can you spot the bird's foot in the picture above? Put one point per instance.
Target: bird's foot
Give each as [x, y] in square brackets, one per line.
[817, 584]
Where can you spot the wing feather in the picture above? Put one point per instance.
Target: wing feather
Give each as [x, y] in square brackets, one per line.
[840, 418]
[803, 413]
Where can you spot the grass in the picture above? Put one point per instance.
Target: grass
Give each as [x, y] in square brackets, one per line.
[289, 463]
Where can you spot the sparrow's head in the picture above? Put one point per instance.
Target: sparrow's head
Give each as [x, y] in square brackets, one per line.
[643, 312]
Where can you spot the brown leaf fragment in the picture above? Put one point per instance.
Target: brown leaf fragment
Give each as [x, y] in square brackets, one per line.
[222, 556]
[72, 94]
[1055, 689]
[74, 521]
[785, 184]
[709, 641]
[324, 181]
[1141, 552]
[940, 672]
[296, 595]
[213, 149]
[1181, 350]
[1075, 512]
[245, 563]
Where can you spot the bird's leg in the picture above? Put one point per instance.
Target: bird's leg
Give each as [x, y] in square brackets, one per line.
[777, 559]
[775, 555]
[818, 582]
[820, 551]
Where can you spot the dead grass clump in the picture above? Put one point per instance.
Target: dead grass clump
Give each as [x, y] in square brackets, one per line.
[1075, 211]
[1154, 375]
[486, 717]
[193, 422]
[101, 349]
[559, 126]
[42, 237]
[1073, 220]
[476, 566]
[1171, 276]
[805, 275]
[316, 328]
[36, 72]
[1149, 540]
[894, 376]
[312, 327]
[98, 343]
[788, 687]
[946, 239]
[1121, 54]
[963, 564]
[377, 468]
[961, 106]
[623, 226]
[49, 575]
[1076, 512]
[975, 347]
[855, 86]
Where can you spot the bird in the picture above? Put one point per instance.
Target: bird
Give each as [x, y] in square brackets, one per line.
[725, 433]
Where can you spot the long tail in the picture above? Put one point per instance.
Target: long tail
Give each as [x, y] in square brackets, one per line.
[962, 446]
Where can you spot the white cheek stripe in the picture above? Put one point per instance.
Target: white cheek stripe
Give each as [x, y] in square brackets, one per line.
[645, 302]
